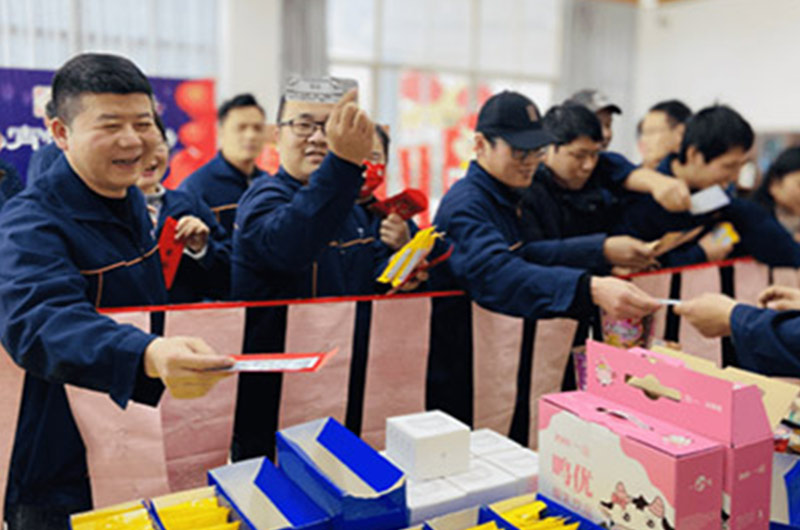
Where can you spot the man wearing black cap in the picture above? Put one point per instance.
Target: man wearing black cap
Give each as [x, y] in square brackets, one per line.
[480, 215]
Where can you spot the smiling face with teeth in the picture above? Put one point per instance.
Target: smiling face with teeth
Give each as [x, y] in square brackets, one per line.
[301, 156]
[109, 141]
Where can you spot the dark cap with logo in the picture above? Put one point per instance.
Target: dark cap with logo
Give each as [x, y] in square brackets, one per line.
[594, 100]
[515, 119]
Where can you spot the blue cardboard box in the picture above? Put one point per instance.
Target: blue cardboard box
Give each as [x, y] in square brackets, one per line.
[265, 499]
[357, 487]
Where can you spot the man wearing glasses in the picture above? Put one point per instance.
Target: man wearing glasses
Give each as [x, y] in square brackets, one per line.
[300, 235]
[480, 214]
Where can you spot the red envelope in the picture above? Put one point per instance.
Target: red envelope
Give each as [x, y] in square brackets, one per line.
[171, 251]
[406, 204]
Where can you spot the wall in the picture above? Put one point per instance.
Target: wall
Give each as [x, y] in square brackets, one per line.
[599, 52]
[740, 52]
[250, 45]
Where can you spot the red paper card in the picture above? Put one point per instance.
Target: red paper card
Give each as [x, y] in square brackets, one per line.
[170, 251]
[281, 362]
[406, 204]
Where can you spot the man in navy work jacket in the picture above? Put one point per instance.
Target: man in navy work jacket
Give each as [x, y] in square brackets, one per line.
[713, 149]
[480, 215]
[767, 338]
[79, 239]
[300, 234]
[221, 182]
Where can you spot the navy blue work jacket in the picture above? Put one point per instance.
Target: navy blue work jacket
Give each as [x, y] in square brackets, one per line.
[63, 254]
[208, 277]
[10, 183]
[220, 185]
[481, 217]
[761, 234]
[767, 341]
[298, 241]
[40, 161]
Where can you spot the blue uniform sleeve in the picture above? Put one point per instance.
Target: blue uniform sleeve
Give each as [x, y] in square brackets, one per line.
[614, 167]
[215, 279]
[287, 231]
[687, 254]
[47, 324]
[584, 252]
[762, 236]
[767, 341]
[500, 280]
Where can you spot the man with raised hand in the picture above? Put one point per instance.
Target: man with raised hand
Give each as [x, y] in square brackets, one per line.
[79, 239]
[300, 234]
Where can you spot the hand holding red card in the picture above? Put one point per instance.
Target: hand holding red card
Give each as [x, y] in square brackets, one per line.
[170, 251]
[406, 204]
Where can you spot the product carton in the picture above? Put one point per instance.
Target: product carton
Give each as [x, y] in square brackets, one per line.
[350, 481]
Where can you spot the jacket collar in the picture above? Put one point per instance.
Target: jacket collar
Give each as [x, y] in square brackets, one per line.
[66, 191]
[284, 176]
[229, 170]
[502, 194]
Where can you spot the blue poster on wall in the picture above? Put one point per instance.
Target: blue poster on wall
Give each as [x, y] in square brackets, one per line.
[24, 94]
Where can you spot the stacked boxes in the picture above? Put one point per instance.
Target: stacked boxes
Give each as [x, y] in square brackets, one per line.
[451, 469]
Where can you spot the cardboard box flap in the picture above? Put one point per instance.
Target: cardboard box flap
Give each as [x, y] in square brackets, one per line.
[626, 421]
[708, 405]
[351, 465]
[777, 395]
[264, 497]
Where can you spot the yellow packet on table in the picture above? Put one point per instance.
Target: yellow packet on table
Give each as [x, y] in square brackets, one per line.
[524, 513]
[227, 526]
[189, 506]
[196, 519]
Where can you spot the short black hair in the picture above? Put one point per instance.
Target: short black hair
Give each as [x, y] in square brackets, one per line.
[238, 101]
[160, 125]
[714, 131]
[570, 121]
[677, 111]
[94, 73]
[50, 110]
[384, 136]
[787, 162]
[281, 105]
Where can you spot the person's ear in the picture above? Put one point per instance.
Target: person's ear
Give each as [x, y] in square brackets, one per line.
[480, 144]
[60, 132]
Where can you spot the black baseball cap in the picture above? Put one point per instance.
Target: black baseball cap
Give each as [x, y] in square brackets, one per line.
[515, 119]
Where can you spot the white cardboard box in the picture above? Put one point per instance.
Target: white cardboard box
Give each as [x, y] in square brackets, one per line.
[428, 445]
[486, 441]
[485, 483]
[522, 463]
[431, 498]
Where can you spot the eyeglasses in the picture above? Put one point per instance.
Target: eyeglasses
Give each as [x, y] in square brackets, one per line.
[304, 128]
[583, 156]
[523, 154]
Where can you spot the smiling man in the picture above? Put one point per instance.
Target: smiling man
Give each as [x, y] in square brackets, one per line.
[481, 215]
[712, 151]
[79, 239]
[300, 234]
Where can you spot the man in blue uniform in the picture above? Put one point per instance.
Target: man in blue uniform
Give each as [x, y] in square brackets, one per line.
[712, 152]
[221, 182]
[767, 338]
[77, 240]
[480, 215]
[42, 158]
[300, 234]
